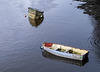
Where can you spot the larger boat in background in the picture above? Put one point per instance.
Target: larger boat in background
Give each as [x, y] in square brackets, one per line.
[65, 51]
[35, 13]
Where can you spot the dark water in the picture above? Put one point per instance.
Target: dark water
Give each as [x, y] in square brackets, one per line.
[67, 22]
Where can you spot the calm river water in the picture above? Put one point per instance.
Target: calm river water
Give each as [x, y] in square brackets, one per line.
[67, 22]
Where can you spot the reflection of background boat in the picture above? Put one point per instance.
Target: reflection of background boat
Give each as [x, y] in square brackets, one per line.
[35, 22]
[53, 57]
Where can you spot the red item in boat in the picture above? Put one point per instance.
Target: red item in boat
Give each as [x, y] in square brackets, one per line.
[48, 44]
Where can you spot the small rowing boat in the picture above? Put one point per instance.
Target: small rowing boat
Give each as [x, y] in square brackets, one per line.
[65, 51]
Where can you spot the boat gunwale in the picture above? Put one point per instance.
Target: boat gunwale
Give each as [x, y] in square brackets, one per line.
[66, 46]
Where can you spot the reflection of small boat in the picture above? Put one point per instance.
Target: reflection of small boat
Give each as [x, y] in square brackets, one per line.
[35, 22]
[35, 13]
[65, 51]
[66, 60]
